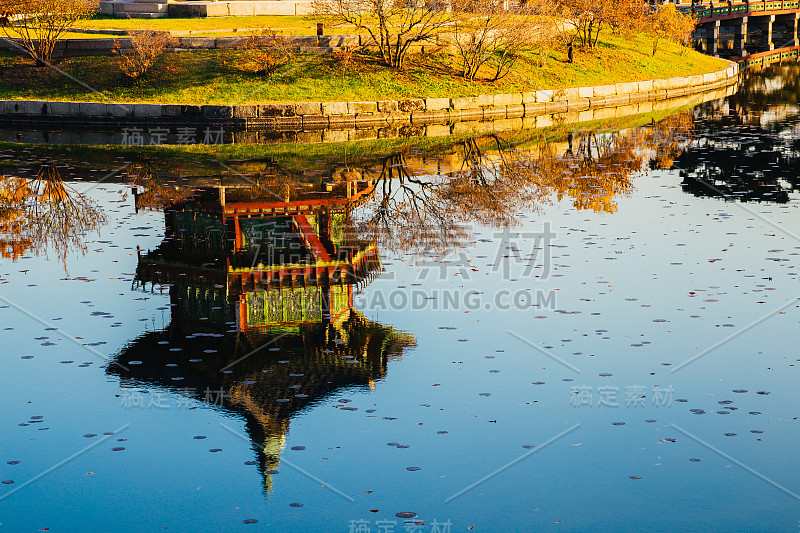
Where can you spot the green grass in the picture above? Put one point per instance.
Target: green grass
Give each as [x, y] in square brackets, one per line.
[216, 76]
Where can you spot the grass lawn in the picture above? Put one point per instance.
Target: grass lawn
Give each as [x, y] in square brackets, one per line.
[217, 76]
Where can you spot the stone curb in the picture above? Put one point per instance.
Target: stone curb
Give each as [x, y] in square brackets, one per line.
[309, 116]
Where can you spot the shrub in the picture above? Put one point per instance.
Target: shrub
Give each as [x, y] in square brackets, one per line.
[146, 47]
[266, 52]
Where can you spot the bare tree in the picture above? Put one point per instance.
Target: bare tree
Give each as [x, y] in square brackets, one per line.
[37, 25]
[393, 25]
[487, 34]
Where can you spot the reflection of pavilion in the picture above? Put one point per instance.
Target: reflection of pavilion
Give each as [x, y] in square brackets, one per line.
[281, 262]
[275, 337]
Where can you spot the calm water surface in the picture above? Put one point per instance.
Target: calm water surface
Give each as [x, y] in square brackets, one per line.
[585, 332]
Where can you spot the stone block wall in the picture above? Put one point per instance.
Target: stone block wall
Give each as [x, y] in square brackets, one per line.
[581, 103]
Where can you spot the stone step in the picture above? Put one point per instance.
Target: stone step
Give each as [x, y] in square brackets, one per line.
[147, 15]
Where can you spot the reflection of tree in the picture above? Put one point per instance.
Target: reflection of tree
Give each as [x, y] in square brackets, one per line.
[44, 214]
[489, 180]
[152, 191]
[592, 172]
[406, 209]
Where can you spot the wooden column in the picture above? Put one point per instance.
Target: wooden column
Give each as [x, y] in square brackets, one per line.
[740, 38]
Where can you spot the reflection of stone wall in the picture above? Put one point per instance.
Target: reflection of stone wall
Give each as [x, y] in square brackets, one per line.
[312, 116]
[543, 116]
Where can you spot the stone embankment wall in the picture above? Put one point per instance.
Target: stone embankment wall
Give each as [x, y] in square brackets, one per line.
[309, 116]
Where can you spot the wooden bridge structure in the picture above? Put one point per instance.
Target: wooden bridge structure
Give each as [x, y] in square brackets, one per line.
[758, 31]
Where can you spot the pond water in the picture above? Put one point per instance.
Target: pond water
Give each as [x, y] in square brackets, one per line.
[592, 328]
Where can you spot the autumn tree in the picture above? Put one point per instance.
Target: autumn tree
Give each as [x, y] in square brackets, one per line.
[486, 34]
[37, 25]
[394, 26]
[667, 23]
[266, 52]
[588, 18]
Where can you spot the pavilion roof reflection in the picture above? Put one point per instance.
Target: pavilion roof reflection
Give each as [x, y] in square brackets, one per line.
[261, 308]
